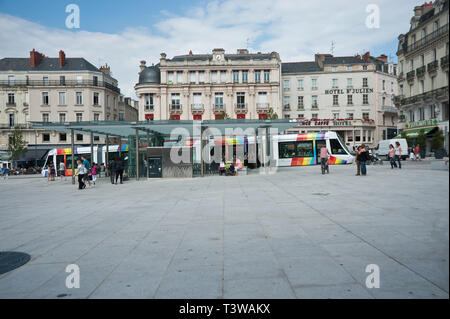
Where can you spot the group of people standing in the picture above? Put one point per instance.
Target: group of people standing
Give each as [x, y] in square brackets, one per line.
[362, 156]
[86, 173]
[115, 168]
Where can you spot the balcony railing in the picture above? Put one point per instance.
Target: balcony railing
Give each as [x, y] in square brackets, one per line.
[300, 107]
[421, 71]
[427, 39]
[410, 75]
[262, 106]
[241, 106]
[11, 104]
[219, 107]
[197, 106]
[175, 107]
[432, 66]
[58, 83]
[286, 107]
[441, 92]
[398, 99]
[389, 109]
[444, 61]
[315, 106]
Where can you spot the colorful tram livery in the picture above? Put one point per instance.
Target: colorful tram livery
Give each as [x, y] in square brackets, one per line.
[58, 155]
[304, 149]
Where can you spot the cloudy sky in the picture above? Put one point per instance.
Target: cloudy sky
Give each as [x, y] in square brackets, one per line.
[123, 33]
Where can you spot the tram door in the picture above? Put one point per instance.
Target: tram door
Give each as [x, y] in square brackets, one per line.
[154, 167]
[319, 145]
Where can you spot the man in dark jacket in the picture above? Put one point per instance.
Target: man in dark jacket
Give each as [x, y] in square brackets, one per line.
[119, 170]
[111, 169]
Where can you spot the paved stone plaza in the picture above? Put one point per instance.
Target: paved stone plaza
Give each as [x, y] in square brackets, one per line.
[295, 234]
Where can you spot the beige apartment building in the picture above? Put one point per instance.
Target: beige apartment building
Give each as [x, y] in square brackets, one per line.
[352, 95]
[43, 89]
[423, 79]
[128, 109]
[211, 86]
[423, 72]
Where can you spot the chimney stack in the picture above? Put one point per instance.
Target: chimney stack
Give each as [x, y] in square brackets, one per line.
[105, 69]
[62, 58]
[142, 66]
[383, 57]
[320, 58]
[35, 58]
[366, 56]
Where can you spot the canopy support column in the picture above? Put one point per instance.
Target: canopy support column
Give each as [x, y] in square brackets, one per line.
[107, 156]
[72, 138]
[137, 154]
[92, 148]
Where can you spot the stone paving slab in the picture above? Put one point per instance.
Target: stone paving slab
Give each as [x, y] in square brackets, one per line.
[293, 234]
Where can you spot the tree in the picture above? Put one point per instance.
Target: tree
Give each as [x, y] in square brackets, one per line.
[224, 115]
[405, 136]
[17, 145]
[271, 115]
[437, 141]
[422, 139]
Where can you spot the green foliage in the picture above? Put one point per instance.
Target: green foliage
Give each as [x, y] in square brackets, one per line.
[272, 115]
[422, 139]
[437, 141]
[17, 145]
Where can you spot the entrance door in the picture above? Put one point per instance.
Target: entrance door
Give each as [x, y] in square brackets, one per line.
[154, 167]
[319, 145]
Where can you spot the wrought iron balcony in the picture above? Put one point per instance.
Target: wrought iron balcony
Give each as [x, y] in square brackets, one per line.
[59, 83]
[427, 39]
[444, 62]
[410, 75]
[240, 106]
[438, 93]
[421, 71]
[175, 107]
[219, 106]
[262, 106]
[197, 106]
[13, 104]
[389, 109]
[286, 107]
[432, 66]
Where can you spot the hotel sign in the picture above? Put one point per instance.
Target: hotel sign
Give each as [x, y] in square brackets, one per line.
[349, 91]
[421, 123]
[324, 122]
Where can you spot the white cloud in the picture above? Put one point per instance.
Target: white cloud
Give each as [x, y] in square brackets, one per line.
[295, 29]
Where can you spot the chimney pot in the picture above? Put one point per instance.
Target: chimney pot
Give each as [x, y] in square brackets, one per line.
[62, 58]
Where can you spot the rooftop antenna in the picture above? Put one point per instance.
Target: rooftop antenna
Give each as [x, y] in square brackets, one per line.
[247, 43]
[332, 47]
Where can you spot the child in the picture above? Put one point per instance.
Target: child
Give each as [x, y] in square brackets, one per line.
[412, 156]
[94, 173]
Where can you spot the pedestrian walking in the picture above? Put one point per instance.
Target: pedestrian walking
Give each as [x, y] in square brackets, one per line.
[119, 170]
[86, 165]
[62, 171]
[111, 169]
[81, 172]
[324, 159]
[392, 156]
[5, 173]
[398, 154]
[51, 172]
[358, 163]
[222, 166]
[94, 173]
[362, 158]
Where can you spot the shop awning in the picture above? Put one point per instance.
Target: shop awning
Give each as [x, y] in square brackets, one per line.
[415, 132]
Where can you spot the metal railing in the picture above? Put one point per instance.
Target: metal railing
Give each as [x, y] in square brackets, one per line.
[421, 71]
[197, 106]
[286, 107]
[262, 106]
[410, 75]
[59, 83]
[432, 66]
[427, 39]
[390, 109]
[175, 107]
[240, 106]
[424, 96]
[219, 106]
[444, 61]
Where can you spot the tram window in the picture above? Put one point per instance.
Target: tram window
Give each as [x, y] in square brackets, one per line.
[336, 147]
[295, 149]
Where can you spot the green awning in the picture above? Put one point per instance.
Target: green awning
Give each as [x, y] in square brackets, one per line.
[415, 132]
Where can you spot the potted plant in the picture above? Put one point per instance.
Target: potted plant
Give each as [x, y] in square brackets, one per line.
[422, 141]
[437, 143]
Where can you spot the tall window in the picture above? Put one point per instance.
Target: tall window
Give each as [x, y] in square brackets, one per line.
[192, 77]
[62, 80]
[62, 117]
[349, 68]
[235, 76]
[121, 116]
[11, 98]
[223, 76]
[257, 76]
[45, 117]
[350, 99]
[335, 83]
[179, 77]
[11, 120]
[197, 98]
[62, 98]
[349, 82]
[201, 76]
[79, 79]
[266, 76]
[10, 80]
[149, 101]
[365, 83]
[286, 101]
[287, 84]
[365, 99]
[96, 117]
[169, 77]
[335, 116]
[384, 85]
[240, 101]
[300, 104]
[300, 84]
[349, 116]
[79, 96]
[79, 117]
[314, 84]
[176, 101]
[218, 101]
[335, 99]
[245, 76]
[314, 103]
[213, 76]
[45, 100]
[384, 101]
[95, 80]
[45, 80]
[366, 115]
[262, 100]
[421, 114]
[96, 98]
